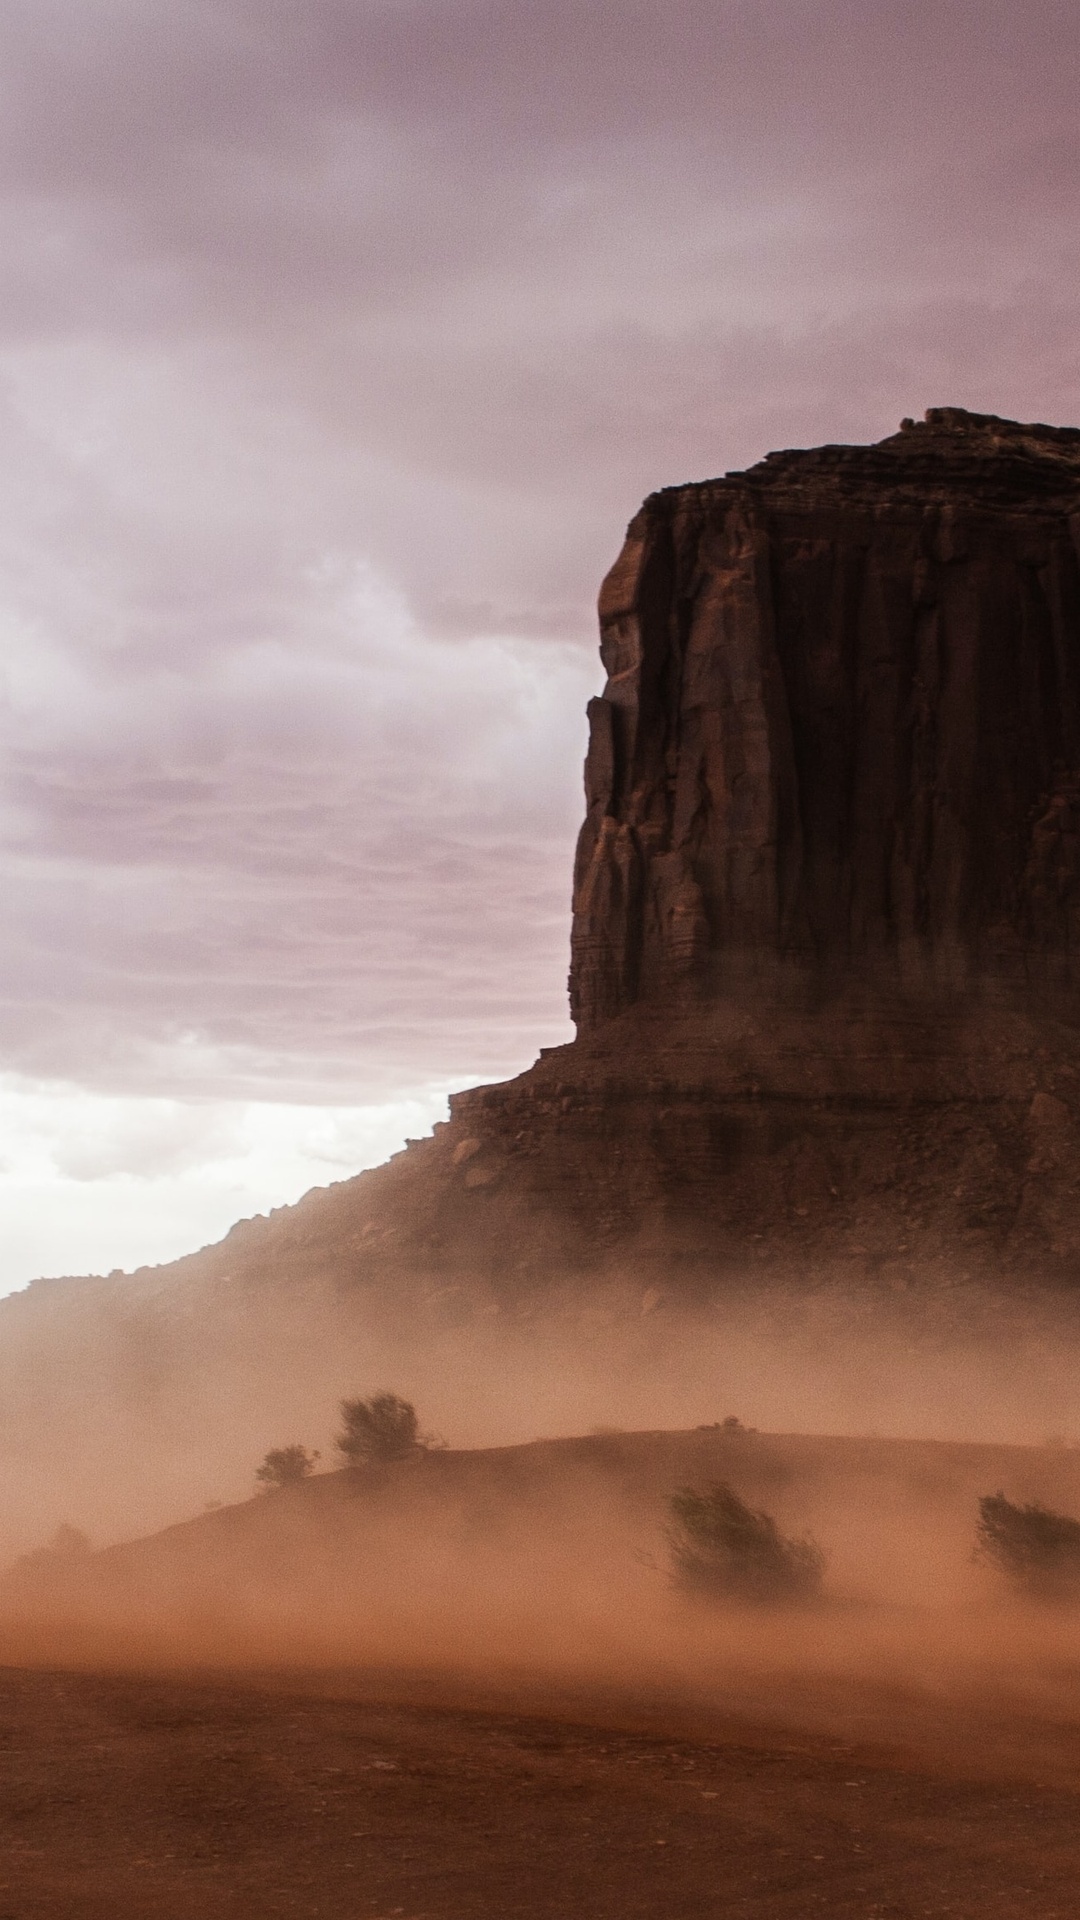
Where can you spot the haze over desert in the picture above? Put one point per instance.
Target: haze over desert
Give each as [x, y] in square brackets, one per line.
[540, 1336]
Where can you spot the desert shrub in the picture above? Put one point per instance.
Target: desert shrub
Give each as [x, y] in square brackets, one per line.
[1035, 1548]
[723, 1549]
[379, 1430]
[67, 1547]
[286, 1467]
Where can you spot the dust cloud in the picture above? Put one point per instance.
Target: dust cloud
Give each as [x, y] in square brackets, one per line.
[153, 1411]
[508, 1565]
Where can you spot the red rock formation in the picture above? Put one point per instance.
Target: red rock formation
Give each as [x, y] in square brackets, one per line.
[841, 728]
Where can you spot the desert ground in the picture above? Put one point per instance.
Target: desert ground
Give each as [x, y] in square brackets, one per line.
[170, 1796]
[464, 1686]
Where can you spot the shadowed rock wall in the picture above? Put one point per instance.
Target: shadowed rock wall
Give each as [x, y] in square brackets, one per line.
[841, 727]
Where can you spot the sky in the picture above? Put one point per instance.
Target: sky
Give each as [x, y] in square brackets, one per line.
[338, 343]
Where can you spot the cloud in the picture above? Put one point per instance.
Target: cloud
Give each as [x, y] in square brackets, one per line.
[337, 345]
[330, 857]
[91, 1182]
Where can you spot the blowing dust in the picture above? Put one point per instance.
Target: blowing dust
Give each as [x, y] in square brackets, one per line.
[509, 1566]
[155, 1410]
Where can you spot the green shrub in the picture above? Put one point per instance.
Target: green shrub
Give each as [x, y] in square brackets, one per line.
[379, 1430]
[1037, 1549]
[286, 1467]
[723, 1549]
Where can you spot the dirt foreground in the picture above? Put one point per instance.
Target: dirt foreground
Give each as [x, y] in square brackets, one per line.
[149, 1798]
[464, 1688]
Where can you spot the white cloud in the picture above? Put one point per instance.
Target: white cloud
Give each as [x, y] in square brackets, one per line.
[266, 812]
[90, 1182]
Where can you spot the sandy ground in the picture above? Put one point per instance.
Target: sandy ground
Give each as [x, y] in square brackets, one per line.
[161, 1797]
[464, 1688]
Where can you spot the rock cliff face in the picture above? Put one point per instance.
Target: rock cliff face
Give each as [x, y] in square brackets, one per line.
[841, 727]
[826, 937]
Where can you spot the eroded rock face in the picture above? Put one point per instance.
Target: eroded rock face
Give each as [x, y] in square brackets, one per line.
[841, 728]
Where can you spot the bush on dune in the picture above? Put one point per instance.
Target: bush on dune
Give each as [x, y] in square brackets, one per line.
[285, 1467]
[67, 1545]
[379, 1430]
[1035, 1548]
[722, 1549]
[55, 1563]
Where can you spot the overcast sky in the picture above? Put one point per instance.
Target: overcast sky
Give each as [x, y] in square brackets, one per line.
[339, 339]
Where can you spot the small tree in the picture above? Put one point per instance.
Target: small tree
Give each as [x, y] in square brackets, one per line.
[57, 1561]
[286, 1467]
[379, 1430]
[67, 1545]
[723, 1549]
[1037, 1549]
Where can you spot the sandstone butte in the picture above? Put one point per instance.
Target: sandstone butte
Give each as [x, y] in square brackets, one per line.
[826, 928]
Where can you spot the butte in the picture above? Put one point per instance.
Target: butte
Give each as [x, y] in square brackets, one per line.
[826, 926]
